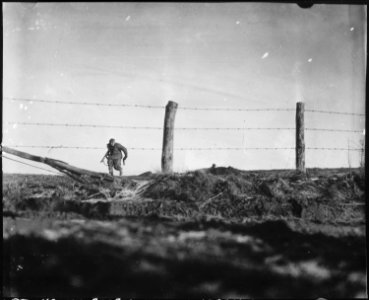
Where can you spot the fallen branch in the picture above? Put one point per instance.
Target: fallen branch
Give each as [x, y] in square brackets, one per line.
[210, 199]
[81, 175]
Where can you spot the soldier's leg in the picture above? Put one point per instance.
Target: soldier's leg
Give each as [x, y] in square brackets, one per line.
[110, 166]
[118, 167]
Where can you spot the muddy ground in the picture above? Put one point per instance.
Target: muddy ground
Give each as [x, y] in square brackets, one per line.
[218, 232]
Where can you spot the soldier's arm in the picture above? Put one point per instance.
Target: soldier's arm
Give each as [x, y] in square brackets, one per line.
[124, 150]
[105, 155]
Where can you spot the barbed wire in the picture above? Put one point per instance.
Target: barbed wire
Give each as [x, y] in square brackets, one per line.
[188, 148]
[333, 130]
[146, 106]
[21, 162]
[85, 103]
[178, 128]
[339, 149]
[148, 127]
[234, 109]
[143, 148]
[234, 128]
[179, 107]
[333, 112]
[235, 148]
[82, 125]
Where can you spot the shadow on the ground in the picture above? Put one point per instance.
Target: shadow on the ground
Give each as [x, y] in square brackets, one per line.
[201, 260]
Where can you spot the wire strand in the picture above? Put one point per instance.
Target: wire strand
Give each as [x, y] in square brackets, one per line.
[81, 125]
[85, 103]
[180, 107]
[145, 106]
[333, 130]
[333, 112]
[189, 148]
[139, 106]
[234, 128]
[339, 149]
[234, 109]
[178, 128]
[147, 127]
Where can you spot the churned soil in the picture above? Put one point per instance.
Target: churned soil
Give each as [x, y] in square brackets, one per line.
[217, 232]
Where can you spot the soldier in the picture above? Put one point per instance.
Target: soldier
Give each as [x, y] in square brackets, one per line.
[114, 156]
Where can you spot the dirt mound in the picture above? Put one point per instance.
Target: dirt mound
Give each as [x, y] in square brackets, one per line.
[234, 193]
[319, 196]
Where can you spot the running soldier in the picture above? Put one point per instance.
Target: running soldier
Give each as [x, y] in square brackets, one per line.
[114, 156]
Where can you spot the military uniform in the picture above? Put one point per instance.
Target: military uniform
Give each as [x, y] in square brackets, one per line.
[114, 156]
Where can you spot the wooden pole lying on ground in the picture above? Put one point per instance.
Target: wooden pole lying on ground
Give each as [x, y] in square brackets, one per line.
[300, 139]
[168, 135]
[80, 175]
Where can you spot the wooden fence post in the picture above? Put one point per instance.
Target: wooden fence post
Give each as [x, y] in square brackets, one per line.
[168, 134]
[300, 139]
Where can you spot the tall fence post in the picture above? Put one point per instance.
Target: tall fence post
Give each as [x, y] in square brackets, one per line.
[300, 139]
[168, 135]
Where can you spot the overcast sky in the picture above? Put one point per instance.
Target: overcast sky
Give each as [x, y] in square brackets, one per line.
[231, 55]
